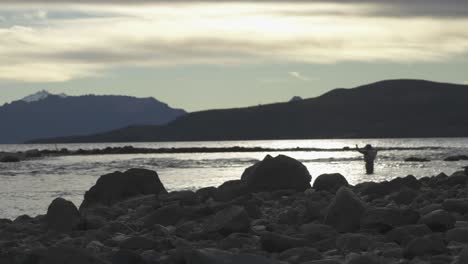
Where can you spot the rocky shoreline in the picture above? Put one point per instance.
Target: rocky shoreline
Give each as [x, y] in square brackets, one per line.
[271, 214]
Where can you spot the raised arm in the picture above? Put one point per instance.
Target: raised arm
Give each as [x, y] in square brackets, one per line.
[359, 150]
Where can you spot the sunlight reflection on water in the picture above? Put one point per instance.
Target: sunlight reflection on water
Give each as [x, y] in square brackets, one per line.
[29, 186]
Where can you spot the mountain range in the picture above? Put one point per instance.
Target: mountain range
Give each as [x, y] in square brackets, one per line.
[392, 108]
[45, 115]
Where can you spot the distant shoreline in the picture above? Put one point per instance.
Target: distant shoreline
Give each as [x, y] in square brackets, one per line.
[35, 153]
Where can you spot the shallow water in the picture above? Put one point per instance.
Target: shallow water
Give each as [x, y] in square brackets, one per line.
[28, 187]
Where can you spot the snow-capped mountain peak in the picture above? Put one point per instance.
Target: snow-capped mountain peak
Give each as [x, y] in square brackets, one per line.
[41, 95]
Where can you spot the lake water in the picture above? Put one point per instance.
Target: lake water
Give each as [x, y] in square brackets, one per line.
[29, 186]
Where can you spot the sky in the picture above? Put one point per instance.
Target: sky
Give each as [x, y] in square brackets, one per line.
[201, 55]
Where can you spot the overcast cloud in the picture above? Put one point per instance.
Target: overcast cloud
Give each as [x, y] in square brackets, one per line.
[56, 41]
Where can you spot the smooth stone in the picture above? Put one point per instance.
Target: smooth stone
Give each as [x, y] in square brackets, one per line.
[458, 235]
[277, 173]
[114, 187]
[345, 211]
[426, 245]
[329, 182]
[438, 220]
[62, 216]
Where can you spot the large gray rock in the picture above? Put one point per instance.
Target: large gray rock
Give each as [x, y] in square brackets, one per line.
[458, 235]
[62, 216]
[232, 219]
[281, 172]
[422, 246]
[345, 211]
[330, 182]
[117, 186]
[230, 190]
[438, 220]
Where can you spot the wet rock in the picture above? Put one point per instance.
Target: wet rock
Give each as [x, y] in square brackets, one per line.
[416, 159]
[422, 246]
[281, 172]
[409, 181]
[230, 190]
[117, 186]
[384, 219]
[233, 219]
[438, 220]
[9, 159]
[62, 216]
[456, 158]
[345, 211]
[274, 242]
[330, 182]
[300, 255]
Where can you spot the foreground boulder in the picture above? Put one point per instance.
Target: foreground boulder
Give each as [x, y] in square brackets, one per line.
[117, 186]
[345, 211]
[62, 216]
[281, 172]
[330, 182]
[438, 220]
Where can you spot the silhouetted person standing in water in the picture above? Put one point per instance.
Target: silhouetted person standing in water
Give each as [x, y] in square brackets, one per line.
[369, 156]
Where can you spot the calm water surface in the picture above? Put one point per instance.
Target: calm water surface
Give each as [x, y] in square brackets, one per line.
[28, 187]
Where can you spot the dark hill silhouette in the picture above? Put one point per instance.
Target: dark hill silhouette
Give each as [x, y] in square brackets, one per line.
[57, 115]
[394, 108]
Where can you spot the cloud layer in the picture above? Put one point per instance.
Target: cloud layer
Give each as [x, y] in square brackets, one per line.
[59, 43]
